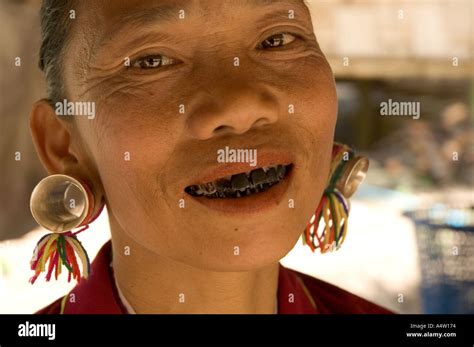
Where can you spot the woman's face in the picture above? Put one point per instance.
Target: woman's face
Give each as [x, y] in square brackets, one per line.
[174, 82]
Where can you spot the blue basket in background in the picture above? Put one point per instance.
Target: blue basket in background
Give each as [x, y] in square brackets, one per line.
[445, 238]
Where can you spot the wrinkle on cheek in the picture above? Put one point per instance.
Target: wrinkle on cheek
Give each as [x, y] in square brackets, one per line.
[137, 129]
[120, 102]
[106, 87]
[294, 72]
[312, 59]
[129, 89]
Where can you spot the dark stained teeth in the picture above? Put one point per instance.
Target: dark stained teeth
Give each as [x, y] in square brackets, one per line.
[208, 188]
[223, 185]
[240, 182]
[258, 180]
[281, 170]
[258, 176]
[271, 175]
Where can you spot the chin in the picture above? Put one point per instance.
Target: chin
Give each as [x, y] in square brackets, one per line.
[257, 248]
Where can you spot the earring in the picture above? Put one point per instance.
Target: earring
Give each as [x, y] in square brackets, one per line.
[346, 174]
[61, 203]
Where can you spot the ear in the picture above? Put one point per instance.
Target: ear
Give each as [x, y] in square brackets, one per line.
[51, 137]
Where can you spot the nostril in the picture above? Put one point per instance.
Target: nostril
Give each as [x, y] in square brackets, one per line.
[221, 128]
[261, 122]
[241, 128]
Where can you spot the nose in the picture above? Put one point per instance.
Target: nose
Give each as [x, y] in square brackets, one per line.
[232, 107]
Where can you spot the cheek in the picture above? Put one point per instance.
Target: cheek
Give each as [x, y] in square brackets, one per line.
[132, 154]
[315, 122]
[309, 84]
[319, 98]
[319, 106]
[130, 191]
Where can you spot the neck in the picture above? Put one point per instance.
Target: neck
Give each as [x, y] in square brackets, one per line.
[154, 284]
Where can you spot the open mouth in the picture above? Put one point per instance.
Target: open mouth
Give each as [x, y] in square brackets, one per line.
[242, 184]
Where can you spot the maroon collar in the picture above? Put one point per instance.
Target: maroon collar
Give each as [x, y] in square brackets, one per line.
[98, 294]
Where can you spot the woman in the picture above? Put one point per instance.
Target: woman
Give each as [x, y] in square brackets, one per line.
[207, 129]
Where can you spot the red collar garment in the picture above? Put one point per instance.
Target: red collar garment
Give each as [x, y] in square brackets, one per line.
[297, 294]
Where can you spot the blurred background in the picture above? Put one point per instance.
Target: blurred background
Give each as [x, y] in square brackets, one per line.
[410, 245]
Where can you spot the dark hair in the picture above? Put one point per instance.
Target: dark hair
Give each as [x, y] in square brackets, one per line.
[55, 30]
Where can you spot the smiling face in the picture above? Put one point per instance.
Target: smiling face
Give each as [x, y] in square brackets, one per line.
[174, 83]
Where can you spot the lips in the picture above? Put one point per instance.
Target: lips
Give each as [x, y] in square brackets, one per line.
[266, 192]
[241, 184]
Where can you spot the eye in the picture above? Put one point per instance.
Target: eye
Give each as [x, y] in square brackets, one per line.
[153, 61]
[278, 40]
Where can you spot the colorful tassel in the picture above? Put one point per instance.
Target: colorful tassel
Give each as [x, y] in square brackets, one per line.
[333, 210]
[55, 250]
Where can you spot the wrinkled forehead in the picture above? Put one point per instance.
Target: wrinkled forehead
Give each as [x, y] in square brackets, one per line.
[203, 8]
[103, 18]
